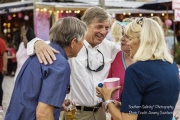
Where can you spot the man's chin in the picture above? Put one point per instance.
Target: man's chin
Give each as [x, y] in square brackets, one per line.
[99, 41]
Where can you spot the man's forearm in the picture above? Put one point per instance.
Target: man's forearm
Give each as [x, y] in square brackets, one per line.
[44, 112]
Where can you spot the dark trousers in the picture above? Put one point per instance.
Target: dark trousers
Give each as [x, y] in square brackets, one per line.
[11, 66]
[1, 90]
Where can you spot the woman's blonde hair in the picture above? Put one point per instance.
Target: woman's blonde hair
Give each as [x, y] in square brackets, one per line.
[116, 31]
[152, 42]
[158, 20]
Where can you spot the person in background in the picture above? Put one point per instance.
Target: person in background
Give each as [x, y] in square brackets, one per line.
[116, 31]
[149, 80]
[12, 62]
[109, 35]
[123, 59]
[27, 34]
[90, 67]
[169, 33]
[16, 39]
[3, 67]
[40, 89]
[159, 21]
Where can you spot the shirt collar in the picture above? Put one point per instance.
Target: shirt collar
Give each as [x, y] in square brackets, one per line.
[88, 45]
[58, 48]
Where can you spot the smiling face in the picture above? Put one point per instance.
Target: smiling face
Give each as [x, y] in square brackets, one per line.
[124, 46]
[133, 44]
[97, 31]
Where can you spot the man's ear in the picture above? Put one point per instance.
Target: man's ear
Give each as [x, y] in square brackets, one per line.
[73, 42]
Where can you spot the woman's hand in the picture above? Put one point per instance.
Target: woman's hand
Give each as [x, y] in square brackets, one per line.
[106, 93]
[24, 30]
[23, 35]
[45, 52]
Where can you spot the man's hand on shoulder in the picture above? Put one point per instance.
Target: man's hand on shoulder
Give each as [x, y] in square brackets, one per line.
[45, 52]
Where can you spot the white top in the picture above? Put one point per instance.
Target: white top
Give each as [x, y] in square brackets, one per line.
[21, 57]
[83, 81]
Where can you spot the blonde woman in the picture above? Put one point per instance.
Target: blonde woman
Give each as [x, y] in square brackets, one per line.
[151, 83]
[123, 59]
[116, 31]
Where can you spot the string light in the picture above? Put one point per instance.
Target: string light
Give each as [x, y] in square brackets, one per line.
[151, 14]
[45, 9]
[140, 14]
[37, 9]
[61, 11]
[4, 24]
[8, 30]
[78, 11]
[5, 31]
[9, 24]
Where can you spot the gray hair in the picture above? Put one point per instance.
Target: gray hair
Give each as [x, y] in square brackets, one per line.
[95, 13]
[66, 29]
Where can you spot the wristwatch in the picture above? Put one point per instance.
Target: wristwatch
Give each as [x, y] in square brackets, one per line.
[107, 102]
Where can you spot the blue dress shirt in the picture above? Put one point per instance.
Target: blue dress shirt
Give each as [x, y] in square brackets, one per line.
[37, 82]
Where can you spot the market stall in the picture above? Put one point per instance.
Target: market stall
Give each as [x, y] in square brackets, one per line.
[46, 13]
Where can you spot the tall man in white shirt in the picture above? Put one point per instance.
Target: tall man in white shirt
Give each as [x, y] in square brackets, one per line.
[90, 67]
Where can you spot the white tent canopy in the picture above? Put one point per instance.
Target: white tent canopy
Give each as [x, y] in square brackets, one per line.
[61, 5]
[121, 11]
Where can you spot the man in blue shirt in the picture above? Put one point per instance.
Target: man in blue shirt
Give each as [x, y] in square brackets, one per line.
[40, 89]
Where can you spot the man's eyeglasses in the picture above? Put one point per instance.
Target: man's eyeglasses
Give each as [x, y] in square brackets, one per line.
[100, 67]
[140, 21]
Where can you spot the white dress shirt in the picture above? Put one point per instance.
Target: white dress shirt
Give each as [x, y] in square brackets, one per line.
[83, 81]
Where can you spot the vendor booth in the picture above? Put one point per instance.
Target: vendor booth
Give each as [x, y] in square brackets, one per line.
[46, 13]
[13, 16]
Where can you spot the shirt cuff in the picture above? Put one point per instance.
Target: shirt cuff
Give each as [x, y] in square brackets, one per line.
[30, 46]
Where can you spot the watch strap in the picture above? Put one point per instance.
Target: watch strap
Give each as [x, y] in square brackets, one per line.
[107, 102]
